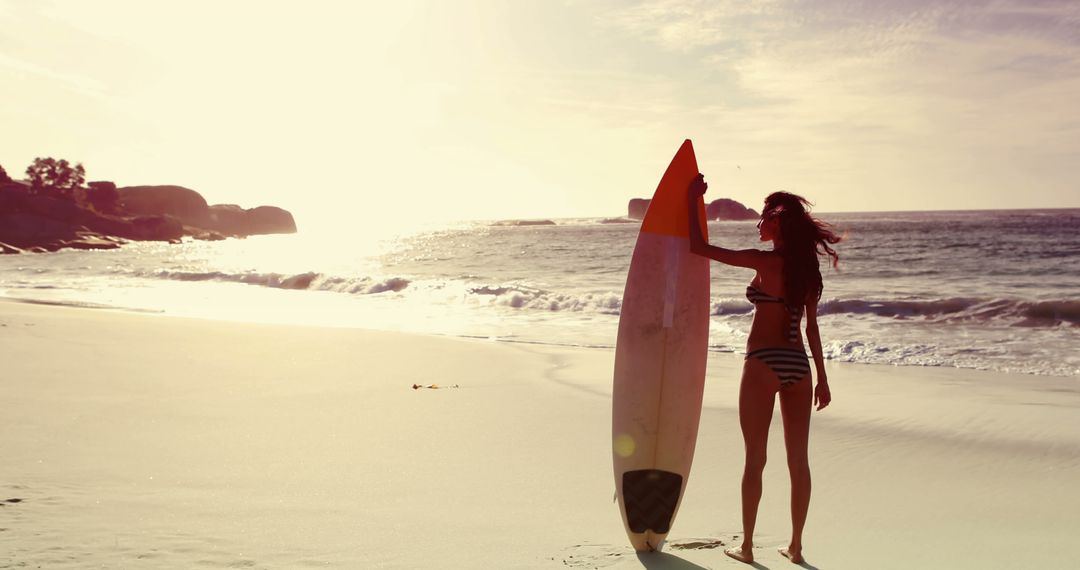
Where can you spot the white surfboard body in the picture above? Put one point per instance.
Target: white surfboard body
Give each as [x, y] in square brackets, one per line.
[660, 358]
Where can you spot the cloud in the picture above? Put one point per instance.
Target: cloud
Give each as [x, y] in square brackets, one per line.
[71, 81]
[688, 25]
[901, 67]
[40, 43]
[975, 96]
[579, 98]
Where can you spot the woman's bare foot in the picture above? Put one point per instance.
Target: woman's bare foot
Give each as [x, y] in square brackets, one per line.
[792, 554]
[742, 553]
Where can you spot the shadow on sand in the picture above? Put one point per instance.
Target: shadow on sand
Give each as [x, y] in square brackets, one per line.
[665, 561]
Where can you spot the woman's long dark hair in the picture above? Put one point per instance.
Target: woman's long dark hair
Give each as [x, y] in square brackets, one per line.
[803, 238]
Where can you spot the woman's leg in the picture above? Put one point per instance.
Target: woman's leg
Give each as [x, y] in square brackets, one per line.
[795, 405]
[757, 396]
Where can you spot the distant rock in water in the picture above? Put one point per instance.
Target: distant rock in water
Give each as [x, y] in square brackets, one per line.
[719, 209]
[728, 209]
[231, 219]
[524, 223]
[637, 207]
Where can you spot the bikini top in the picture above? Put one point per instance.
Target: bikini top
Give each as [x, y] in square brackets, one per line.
[755, 296]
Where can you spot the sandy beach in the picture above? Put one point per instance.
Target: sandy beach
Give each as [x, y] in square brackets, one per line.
[144, 441]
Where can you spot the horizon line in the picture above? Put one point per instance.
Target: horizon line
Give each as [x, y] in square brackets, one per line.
[945, 211]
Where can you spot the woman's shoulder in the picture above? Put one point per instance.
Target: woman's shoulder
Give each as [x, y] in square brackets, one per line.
[772, 259]
[770, 265]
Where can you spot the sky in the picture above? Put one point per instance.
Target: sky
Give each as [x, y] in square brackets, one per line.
[384, 113]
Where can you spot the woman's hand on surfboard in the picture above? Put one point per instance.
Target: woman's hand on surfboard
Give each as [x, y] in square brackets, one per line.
[697, 186]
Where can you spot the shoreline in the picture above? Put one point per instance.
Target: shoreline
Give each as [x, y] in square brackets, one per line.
[139, 442]
[501, 339]
[567, 289]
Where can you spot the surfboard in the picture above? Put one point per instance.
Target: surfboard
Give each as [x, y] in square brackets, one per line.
[660, 358]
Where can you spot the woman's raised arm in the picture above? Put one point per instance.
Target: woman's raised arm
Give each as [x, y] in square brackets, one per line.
[751, 258]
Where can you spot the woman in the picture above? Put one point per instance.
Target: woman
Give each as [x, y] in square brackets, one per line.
[787, 285]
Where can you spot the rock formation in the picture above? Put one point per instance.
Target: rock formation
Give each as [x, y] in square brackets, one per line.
[184, 204]
[719, 209]
[230, 219]
[32, 222]
[728, 209]
[637, 207]
[191, 209]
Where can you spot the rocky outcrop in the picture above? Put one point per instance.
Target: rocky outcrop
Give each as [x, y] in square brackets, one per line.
[32, 222]
[184, 204]
[191, 209]
[202, 234]
[8, 248]
[28, 221]
[60, 213]
[26, 229]
[232, 220]
[90, 241]
[24, 232]
[155, 228]
[728, 209]
[270, 220]
[719, 209]
[637, 208]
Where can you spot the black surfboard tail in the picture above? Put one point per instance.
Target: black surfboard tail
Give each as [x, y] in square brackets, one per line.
[650, 497]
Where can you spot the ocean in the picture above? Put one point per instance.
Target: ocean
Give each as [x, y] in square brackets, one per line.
[993, 290]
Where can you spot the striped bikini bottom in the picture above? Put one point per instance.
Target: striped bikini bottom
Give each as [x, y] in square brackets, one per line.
[789, 364]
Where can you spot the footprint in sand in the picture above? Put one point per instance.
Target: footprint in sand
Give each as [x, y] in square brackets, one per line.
[696, 544]
[593, 555]
[233, 564]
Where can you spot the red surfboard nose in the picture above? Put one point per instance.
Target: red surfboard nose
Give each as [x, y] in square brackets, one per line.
[667, 210]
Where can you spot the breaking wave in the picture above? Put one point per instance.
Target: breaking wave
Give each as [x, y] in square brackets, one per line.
[1011, 312]
[310, 281]
[971, 310]
[524, 297]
